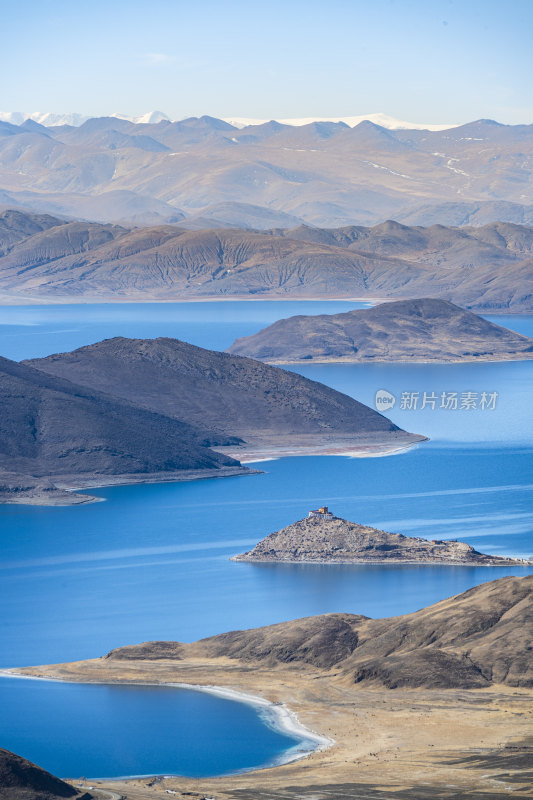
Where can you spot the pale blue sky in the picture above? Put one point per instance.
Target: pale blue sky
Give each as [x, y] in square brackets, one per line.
[425, 61]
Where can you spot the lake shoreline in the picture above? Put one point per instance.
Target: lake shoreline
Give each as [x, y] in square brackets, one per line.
[408, 361]
[23, 300]
[277, 716]
[382, 738]
[68, 486]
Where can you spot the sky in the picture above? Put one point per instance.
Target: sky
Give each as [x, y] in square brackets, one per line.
[433, 61]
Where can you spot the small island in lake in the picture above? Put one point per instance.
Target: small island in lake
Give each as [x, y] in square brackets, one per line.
[323, 538]
[421, 329]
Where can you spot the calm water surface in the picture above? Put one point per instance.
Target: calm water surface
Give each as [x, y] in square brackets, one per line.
[152, 562]
[113, 731]
[35, 331]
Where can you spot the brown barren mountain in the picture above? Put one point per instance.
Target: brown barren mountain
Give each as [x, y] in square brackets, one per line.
[426, 329]
[487, 268]
[456, 727]
[473, 640]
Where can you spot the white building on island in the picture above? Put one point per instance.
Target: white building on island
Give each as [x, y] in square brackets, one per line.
[323, 512]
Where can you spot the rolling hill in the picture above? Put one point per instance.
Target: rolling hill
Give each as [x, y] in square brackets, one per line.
[473, 640]
[407, 330]
[130, 411]
[233, 398]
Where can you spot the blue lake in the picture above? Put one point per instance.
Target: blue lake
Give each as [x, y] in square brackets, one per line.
[35, 331]
[152, 562]
[110, 731]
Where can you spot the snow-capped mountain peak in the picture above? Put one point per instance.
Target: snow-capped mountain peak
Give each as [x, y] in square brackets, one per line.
[49, 118]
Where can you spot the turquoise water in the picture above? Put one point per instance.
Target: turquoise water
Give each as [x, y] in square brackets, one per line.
[152, 562]
[112, 731]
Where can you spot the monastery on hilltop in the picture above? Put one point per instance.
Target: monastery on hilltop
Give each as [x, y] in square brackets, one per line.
[323, 512]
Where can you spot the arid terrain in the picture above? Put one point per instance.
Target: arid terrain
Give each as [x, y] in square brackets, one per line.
[49, 259]
[22, 780]
[206, 173]
[431, 704]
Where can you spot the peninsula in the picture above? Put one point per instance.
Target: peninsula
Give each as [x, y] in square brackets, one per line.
[322, 538]
[413, 703]
[244, 408]
[424, 329]
[137, 411]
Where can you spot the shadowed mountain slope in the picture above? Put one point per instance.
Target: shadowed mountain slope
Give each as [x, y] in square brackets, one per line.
[230, 395]
[476, 639]
[50, 427]
[15, 226]
[22, 780]
[425, 329]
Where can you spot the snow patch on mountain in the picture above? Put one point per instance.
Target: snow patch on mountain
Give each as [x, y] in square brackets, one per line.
[378, 119]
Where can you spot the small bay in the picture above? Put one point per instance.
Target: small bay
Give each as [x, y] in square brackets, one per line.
[112, 731]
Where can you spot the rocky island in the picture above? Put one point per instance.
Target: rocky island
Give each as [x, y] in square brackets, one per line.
[322, 538]
[411, 703]
[425, 329]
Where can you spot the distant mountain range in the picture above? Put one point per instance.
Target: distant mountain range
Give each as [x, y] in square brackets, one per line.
[206, 172]
[50, 118]
[487, 268]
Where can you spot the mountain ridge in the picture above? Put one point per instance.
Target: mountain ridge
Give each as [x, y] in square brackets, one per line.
[472, 641]
[486, 268]
[51, 119]
[137, 411]
[20, 779]
[216, 391]
[323, 173]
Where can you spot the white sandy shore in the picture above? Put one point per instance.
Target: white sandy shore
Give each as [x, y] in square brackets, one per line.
[276, 715]
[87, 300]
[363, 450]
